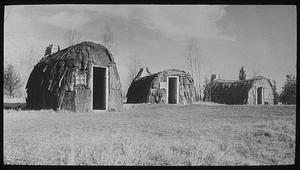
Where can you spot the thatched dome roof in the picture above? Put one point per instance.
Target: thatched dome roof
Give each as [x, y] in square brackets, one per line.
[52, 75]
[234, 84]
[86, 50]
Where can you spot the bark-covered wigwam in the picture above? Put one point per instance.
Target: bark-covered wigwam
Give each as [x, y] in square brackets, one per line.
[82, 77]
[250, 91]
[169, 86]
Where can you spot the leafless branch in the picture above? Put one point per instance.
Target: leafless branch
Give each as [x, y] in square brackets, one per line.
[72, 37]
[108, 37]
[194, 62]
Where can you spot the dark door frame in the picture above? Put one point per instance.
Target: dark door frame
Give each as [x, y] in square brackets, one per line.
[106, 90]
[177, 90]
[261, 95]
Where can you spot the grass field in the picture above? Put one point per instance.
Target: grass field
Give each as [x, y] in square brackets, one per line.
[153, 135]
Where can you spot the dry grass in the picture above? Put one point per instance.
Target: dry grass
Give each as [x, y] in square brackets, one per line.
[153, 135]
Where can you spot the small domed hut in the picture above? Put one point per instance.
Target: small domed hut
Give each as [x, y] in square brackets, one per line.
[169, 86]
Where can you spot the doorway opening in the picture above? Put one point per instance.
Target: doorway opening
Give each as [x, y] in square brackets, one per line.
[173, 89]
[260, 95]
[99, 88]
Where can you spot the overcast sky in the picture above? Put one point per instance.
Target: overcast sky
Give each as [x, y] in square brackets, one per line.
[262, 38]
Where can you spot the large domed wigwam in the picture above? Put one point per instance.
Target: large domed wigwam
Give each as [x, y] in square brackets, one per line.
[82, 77]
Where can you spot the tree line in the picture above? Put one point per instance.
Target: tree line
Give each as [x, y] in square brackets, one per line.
[12, 82]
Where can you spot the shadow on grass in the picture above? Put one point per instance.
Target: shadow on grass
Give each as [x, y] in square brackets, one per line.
[14, 106]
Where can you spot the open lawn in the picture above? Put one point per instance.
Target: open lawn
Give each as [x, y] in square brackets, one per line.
[145, 134]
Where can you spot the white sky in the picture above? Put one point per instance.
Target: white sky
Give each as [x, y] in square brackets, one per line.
[262, 38]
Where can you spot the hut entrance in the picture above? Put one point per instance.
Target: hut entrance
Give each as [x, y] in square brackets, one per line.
[260, 95]
[173, 89]
[99, 89]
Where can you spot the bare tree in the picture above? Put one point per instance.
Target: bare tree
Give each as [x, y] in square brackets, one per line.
[29, 60]
[72, 37]
[206, 82]
[256, 74]
[134, 63]
[11, 80]
[134, 66]
[194, 62]
[108, 37]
